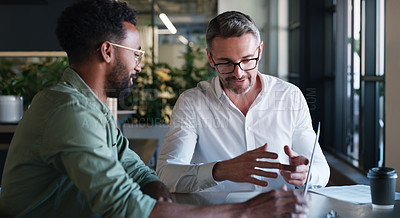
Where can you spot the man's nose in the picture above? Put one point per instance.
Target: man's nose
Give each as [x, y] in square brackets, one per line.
[138, 68]
[238, 72]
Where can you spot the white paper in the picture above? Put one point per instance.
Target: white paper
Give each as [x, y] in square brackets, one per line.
[357, 194]
[237, 197]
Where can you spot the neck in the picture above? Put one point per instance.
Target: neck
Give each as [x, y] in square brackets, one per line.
[94, 77]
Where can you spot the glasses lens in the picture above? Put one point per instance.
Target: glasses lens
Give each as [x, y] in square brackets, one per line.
[248, 64]
[225, 68]
[244, 65]
[138, 57]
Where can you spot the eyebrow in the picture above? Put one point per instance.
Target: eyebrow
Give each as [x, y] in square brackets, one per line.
[230, 60]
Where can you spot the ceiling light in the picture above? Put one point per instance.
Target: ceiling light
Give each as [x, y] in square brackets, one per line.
[168, 23]
[163, 31]
[183, 39]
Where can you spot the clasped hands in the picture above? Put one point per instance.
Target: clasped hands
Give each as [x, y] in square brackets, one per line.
[243, 167]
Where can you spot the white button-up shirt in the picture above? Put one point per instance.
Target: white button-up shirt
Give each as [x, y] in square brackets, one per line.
[206, 127]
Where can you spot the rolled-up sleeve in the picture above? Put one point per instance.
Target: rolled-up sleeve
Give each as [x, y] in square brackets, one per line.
[174, 165]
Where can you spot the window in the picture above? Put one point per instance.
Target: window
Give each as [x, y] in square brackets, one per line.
[336, 57]
[355, 28]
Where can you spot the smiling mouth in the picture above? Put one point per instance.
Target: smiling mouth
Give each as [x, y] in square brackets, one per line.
[131, 78]
[237, 80]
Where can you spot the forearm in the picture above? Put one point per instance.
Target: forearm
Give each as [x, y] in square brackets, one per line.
[165, 209]
[157, 190]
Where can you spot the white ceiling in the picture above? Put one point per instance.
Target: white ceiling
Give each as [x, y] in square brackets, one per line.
[175, 7]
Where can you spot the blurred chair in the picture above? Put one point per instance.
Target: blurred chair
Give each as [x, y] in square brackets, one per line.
[145, 148]
[147, 132]
[3, 155]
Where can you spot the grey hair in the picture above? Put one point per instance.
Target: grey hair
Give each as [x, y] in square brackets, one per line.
[231, 24]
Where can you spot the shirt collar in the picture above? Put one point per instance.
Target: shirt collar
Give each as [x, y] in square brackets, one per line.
[72, 78]
[218, 88]
[263, 88]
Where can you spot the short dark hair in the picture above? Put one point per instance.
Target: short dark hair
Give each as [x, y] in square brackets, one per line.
[85, 25]
[231, 24]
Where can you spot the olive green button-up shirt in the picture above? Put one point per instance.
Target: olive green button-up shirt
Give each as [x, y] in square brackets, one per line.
[68, 159]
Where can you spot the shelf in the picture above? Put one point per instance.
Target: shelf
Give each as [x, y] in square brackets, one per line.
[8, 128]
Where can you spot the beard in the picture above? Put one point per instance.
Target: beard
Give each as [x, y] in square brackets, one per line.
[118, 81]
[238, 90]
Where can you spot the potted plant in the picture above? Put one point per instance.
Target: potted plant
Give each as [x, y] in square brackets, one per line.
[158, 86]
[38, 75]
[155, 92]
[20, 81]
[11, 100]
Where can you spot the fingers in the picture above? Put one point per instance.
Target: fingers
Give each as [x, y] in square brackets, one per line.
[268, 165]
[285, 196]
[279, 203]
[242, 167]
[289, 151]
[295, 158]
[296, 176]
[291, 202]
[164, 199]
[297, 179]
[261, 152]
[255, 181]
[263, 148]
[257, 154]
[296, 172]
[294, 168]
[263, 173]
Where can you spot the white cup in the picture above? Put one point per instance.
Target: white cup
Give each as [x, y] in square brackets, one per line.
[11, 108]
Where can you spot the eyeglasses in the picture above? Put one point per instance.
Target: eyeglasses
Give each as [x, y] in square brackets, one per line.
[229, 67]
[138, 53]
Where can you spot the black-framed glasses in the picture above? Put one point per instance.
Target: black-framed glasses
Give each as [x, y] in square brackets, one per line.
[229, 67]
[138, 53]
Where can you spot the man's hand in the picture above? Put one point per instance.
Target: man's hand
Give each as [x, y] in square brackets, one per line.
[278, 203]
[157, 190]
[241, 168]
[296, 172]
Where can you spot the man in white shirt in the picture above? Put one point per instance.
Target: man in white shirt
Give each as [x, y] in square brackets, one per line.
[241, 130]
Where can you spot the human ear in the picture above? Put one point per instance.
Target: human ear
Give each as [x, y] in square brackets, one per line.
[261, 48]
[209, 58]
[105, 51]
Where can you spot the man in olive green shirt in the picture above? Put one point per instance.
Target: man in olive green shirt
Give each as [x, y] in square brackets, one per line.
[67, 157]
[67, 153]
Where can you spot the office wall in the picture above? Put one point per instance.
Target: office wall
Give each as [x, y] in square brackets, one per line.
[392, 103]
[30, 25]
[171, 54]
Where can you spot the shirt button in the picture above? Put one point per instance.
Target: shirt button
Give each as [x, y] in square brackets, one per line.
[248, 128]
